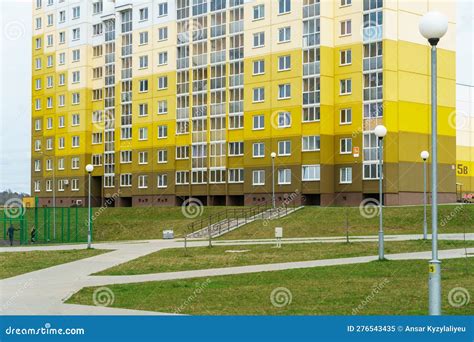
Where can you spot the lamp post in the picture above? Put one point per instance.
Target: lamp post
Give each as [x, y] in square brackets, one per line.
[424, 155]
[433, 26]
[380, 131]
[273, 155]
[89, 169]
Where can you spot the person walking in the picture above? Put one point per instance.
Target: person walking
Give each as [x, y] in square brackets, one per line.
[11, 233]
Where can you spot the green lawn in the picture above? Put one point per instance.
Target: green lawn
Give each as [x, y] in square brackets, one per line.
[376, 288]
[331, 221]
[16, 263]
[170, 260]
[141, 223]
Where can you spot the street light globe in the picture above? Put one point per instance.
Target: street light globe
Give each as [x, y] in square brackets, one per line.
[273, 155]
[424, 155]
[89, 168]
[380, 131]
[433, 25]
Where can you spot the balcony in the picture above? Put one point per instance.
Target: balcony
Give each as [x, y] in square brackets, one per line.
[217, 57]
[313, 68]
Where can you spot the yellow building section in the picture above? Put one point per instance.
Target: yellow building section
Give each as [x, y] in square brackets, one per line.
[465, 169]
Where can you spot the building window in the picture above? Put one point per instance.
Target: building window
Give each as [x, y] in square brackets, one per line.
[258, 12]
[162, 181]
[182, 152]
[143, 181]
[284, 176]
[76, 76]
[76, 55]
[345, 116]
[38, 125]
[37, 165]
[143, 109]
[258, 150]
[182, 177]
[97, 29]
[163, 58]
[284, 63]
[143, 60]
[258, 177]
[345, 57]
[75, 98]
[162, 107]
[61, 123]
[61, 143]
[76, 34]
[345, 87]
[76, 119]
[49, 185]
[258, 122]
[258, 39]
[346, 27]
[37, 186]
[311, 173]
[284, 91]
[284, 119]
[236, 148]
[49, 123]
[162, 132]
[162, 33]
[75, 163]
[61, 163]
[259, 94]
[346, 2]
[143, 13]
[143, 86]
[236, 175]
[162, 82]
[284, 6]
[76, 12]
[75, 141]
[345, 175]
[143, 38]
[143, 157]
[284, 148]
[97, 138]
[62, 17]
[259, 67]
[162, 156]
[346, 146]
[125, 157]
[284, 34]
[311, 143]
[126, 179]
[97, 159]
[143, 133]
[163, 9]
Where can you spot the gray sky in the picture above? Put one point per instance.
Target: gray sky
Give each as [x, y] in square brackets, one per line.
[15, 94]
[15, 85]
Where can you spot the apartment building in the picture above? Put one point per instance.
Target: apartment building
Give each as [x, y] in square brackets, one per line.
[189, 98]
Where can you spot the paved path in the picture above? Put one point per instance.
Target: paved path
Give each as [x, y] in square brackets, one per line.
[43, 292]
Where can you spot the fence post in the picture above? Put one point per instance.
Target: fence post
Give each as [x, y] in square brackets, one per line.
[68, 224]
[62, 224]
[77, 238]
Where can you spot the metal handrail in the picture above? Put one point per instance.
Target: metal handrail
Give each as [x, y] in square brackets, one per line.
[226, 215]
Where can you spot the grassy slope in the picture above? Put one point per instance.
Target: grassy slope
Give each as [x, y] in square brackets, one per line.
[170, 260]
[15, 263]
[143, 222]
[335, 290]
[331, 221]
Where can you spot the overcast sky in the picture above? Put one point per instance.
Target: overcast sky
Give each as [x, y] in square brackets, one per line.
[15, 85]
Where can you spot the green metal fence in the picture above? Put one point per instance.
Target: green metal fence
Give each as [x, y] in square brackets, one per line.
[46, 225]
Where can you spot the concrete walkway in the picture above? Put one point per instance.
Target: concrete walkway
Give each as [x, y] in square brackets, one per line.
[43, 292]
